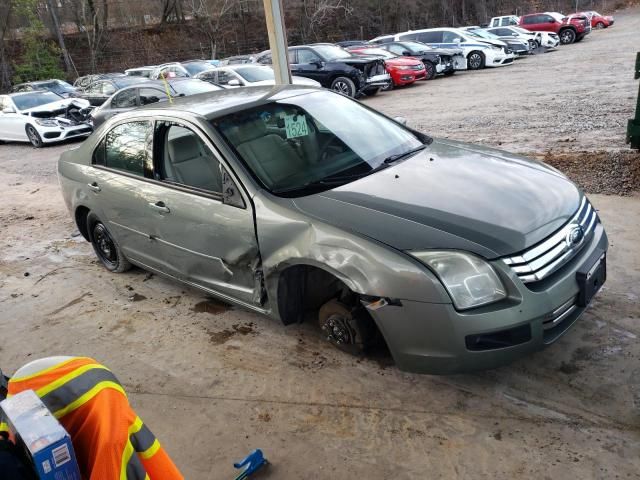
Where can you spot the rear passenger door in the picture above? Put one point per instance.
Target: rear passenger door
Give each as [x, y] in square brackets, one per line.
[430, 38]
[205, 237]
[308, 64]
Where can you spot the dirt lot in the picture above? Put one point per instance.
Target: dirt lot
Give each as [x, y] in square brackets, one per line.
[214, 382]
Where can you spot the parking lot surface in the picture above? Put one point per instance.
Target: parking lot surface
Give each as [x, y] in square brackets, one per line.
[214, 382]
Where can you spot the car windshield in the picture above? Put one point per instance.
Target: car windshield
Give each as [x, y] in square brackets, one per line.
[196, 67]
[314, 142]
[377, 51]
[416, 46]
[36, 99]
[56, 86]
[483, 34]
[192, 87]
[255, 74]
[331, 52]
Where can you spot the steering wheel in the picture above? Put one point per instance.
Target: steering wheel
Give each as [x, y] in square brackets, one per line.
[324, 150]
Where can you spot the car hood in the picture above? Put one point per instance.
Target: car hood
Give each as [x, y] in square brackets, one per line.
[55, 106]
[455, 196]
[402, 61]
[359, 59]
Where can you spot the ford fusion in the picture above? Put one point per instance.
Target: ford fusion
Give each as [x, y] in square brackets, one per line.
[300, 203]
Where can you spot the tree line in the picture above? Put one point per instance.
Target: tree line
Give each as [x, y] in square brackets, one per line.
[66, 38]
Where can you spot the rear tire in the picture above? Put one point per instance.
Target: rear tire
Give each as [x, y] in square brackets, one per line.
[475, 60]
[349, 329]
[33, 136]
[372, 92]
[344, 85]
[388, 87]
[567, 36]
[430, 68]
[105, 247]
[600, 25]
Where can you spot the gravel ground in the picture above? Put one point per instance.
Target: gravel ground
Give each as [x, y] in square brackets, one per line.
[214, 382]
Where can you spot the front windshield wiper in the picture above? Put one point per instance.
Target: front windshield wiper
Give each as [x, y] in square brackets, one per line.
[394, 158]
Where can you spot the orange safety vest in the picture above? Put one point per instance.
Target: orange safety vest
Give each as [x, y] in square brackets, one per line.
[110, 440]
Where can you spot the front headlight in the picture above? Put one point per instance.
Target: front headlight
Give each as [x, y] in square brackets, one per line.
[470, 280]
[497, 49]
[46, 122]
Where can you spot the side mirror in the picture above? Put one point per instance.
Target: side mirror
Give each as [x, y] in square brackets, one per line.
[230, 193]
[552, 20]
[234, 83]
[8, 110]
[514, 34]
[406, 53]
[401, 120]
[457, 40]
[317, 63]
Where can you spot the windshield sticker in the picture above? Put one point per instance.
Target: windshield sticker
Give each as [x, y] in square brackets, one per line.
[296, 126]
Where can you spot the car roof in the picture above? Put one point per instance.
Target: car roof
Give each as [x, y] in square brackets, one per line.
[223, 102]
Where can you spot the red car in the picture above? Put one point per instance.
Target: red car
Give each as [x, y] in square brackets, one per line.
[403, 70]
[599, 21]
[570, 29]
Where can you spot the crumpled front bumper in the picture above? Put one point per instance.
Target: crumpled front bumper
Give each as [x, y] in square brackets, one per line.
[382, 80]
[57, 134]
[435, 338]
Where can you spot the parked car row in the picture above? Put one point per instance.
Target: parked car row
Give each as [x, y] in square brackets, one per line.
[48, 111]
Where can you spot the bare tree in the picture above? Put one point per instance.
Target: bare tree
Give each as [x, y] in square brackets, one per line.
[208, 15]
[91, 18]
[5, 74]
[55, 23]
[171, 11]
[318, 13]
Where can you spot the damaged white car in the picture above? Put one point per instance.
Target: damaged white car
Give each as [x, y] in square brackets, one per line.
[42, 117]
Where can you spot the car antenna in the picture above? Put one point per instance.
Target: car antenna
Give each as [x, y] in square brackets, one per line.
[166, 87]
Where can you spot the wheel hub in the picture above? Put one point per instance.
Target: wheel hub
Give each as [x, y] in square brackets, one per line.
[337, 330]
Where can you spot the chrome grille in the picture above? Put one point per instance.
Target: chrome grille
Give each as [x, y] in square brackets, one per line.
[556, 317]
[417, 67]
[540, 261]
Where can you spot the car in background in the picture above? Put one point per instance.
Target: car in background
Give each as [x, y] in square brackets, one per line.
[83, 82]
[479, 52]
[180, 69]
[517, 46]
[383, 39]
[236, 60]
[351, 43]
[248, 75]
[298, 203]
[42, 117]
[599, 21]
[569, 29]
[335, 68]
[146, 93]
[403, 70]
[504, 21]
[62, 88]
[435, 61]
[140, 71]
[536, 39]
[100, 90]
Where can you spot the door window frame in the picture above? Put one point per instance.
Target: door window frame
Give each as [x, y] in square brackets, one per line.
[241, 189]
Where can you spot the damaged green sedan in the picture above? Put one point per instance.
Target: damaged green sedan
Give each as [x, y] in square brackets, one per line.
[299, 203]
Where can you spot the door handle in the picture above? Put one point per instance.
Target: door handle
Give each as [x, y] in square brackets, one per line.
[94, 186]
[159, 207]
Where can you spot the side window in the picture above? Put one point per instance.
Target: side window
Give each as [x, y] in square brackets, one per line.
[126, 99]
[530, 19]
[307, 56]
[430, 37]
[397, 49]
[451, 37]
[223, 77]
[127, 147]
[186, 159]
[292, 57]
[495, 22]
[545, 18]
[408, 36]
[266, 59]
[151, 95]
[2, 104]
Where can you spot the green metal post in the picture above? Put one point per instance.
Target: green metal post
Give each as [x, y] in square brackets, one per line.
[633, 128]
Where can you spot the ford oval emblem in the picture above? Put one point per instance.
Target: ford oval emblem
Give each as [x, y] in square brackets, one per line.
[574, 237]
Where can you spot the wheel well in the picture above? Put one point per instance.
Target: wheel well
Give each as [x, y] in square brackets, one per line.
[303, 289]
[81, 215]
[568, 27]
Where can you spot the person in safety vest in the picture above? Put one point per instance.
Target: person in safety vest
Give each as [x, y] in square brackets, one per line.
[110, 440]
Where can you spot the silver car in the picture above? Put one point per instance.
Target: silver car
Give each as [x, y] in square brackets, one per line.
[298, 202]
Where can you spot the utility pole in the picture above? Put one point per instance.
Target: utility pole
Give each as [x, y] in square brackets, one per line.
[56, 27]
[278, 41]
[633, 128]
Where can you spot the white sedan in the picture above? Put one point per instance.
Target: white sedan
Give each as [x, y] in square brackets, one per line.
[243, 75]
[42, 117]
